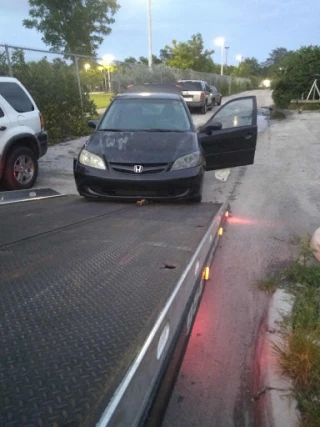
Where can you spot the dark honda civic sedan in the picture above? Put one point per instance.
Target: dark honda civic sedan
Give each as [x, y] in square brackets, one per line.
[146, 147]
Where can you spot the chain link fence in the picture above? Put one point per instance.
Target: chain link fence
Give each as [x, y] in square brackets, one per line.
[126, 74]
[61, 84]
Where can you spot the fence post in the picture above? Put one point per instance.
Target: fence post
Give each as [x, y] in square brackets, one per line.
[9, 61]
[76, 59]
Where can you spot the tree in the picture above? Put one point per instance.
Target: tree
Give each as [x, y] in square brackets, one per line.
[297, 75]
[72, 25]
[189, 55]
[164, 55]
[276, 61]
[130, 60]
[142, 60]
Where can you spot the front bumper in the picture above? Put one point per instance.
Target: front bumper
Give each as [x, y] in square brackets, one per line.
[42, 138]
[110, 185]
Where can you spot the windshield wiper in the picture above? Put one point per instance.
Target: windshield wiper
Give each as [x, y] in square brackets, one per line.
[110, 130]
[163, 130]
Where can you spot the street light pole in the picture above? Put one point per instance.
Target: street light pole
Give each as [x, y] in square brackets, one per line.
[220, 41]
[149, 35]
[227, 49]
[109, 79]
[222, 58]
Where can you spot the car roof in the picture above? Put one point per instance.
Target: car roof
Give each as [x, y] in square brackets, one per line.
[4, 79]
[155, 95]
[194, 81]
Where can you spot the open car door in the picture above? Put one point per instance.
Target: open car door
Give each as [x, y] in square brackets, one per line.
[229, 138]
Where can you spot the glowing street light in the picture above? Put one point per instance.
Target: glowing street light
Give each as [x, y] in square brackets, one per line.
[220, 41]
[87, 66]
[239, 58]
[108, 59]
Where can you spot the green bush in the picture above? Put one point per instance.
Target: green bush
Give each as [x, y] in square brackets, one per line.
[224, 89]
[53, 85]
[282, 94]
[298, 76]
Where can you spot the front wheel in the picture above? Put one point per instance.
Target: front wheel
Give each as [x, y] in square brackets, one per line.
[21, 169]
[219, 103]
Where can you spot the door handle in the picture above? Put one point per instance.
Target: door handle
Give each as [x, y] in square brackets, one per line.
[248, 135]
[3, 128]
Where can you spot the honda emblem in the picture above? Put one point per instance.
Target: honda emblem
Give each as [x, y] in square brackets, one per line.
[137, 168]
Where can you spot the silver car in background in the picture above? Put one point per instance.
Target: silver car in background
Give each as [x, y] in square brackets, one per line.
[216, 96]
[197, 94]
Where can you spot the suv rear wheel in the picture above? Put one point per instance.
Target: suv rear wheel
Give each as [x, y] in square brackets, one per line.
[21, 169]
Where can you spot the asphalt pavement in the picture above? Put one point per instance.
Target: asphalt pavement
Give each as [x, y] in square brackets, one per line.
[271, 201]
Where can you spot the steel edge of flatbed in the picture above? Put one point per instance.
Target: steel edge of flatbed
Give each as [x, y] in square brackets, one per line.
[18, 196]
[147, 358]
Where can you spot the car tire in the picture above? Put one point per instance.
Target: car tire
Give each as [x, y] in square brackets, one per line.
[25, 158]
[204, 108]
[219, 103]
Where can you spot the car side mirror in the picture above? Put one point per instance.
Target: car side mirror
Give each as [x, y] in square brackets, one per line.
[93, 124]
[213, 127]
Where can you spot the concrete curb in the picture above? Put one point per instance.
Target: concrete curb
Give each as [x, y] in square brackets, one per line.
[275, 407]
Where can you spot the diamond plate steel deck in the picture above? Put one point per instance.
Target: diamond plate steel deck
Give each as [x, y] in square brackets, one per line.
[80, 288]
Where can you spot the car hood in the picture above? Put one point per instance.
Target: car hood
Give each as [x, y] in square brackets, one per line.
[142, 147]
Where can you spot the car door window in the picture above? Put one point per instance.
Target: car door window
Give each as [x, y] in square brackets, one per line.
[237, 113]
[16, 97]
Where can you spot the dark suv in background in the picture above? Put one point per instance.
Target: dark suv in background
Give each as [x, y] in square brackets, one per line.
[197, 94]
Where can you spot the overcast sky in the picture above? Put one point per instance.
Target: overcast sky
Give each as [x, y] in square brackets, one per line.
[251, 27]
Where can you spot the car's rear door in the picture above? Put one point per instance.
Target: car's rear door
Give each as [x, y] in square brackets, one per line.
[235, 143]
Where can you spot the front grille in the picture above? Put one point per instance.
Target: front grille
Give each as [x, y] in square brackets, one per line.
[147, 168]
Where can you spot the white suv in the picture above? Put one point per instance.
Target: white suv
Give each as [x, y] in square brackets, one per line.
[22, 137]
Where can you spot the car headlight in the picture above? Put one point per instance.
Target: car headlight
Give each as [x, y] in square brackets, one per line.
[188, 161]
[92, 160]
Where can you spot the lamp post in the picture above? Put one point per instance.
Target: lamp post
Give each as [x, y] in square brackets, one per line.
[227, 50]
[107, 61]
[219, 41]
[149, 34]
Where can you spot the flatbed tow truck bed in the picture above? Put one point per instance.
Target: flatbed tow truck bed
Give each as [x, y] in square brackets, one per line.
[97, 301]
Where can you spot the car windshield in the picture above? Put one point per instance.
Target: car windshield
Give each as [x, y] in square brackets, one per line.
[166, 115]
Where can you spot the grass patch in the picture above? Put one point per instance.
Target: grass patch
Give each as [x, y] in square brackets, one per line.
[101, 100]
[268, 285]
[299, 356]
